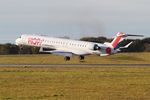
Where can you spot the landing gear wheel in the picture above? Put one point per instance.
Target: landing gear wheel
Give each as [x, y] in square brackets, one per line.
[81, 57]
[67, 58]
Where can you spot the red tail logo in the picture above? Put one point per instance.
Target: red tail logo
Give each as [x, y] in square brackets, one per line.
[117, 39]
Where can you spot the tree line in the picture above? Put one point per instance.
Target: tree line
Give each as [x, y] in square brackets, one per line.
[14, 49]
[137, 46]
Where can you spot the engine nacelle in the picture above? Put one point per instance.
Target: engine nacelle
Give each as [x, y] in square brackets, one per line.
[96, 47]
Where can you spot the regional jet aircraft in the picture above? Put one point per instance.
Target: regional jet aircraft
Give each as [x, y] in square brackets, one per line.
[68, 47]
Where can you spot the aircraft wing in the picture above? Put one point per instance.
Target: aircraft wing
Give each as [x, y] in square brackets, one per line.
[65, 51]
[62, 53]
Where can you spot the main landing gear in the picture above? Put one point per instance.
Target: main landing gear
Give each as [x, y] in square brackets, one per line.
[67, 58]
[81, 58]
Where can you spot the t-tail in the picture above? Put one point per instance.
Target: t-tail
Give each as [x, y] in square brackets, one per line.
[115, 45]
[118, 38]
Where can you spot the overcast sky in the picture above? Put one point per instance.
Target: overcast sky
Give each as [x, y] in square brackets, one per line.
[73, 18]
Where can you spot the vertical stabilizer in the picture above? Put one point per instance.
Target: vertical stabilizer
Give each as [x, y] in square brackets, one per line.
[118, 38]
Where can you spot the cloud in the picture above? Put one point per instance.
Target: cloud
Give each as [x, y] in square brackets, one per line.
[75, 18]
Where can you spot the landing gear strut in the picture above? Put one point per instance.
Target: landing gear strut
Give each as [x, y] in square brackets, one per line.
[67, 58]
[20, 49]
[81, 57]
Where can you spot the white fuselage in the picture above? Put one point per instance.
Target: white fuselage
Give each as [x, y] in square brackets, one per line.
[65, 45]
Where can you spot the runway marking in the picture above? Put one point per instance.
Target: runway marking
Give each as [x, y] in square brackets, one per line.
[74, 65]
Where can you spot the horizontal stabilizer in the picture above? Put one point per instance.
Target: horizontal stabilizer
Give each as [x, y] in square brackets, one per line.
[135, 35]
[126, 35]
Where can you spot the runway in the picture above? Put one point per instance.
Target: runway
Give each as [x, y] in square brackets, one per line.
[74, 65]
